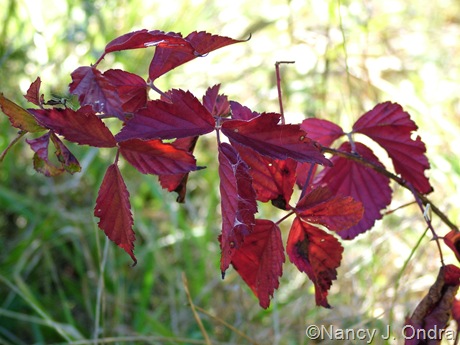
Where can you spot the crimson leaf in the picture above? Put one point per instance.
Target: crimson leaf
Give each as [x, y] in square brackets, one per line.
[337, 213]
[216, 104]
[259, 261]
[238, 202]
[363, 184]
[93, 88]
[241, 112]
[169, 56]
[41, 160]
[81, 126]
[267, 137]
[33, 93]
[65, 157]
[272, 179]
[114, 210]
[156, 157]
[178, 182]
[322, 131]
[452, 240]
[390, 126]
[316, 253]
[131, 89]
[19, 117]
[184, 117]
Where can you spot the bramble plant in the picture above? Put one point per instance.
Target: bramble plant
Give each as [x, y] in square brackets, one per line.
[262, 159]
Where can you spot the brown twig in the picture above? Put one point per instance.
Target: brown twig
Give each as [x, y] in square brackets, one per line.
[278, 85]
[15, 140]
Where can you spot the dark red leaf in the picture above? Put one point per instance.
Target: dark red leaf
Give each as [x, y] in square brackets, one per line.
[267, 137]
[42, 164]
[33, 93]
[81, 126]
[259, 261]
[390, 126]
[272, 179]
[238, 202]
[434, 311]
[456, 311]
[363, 184]
[322, 131]
[216, 104]
[19, 117]
[178, 182]
[185, 116]
[169, 56]
[452, 239]
[143, 39]
[316, 253]
[240, 112]
[337, 213]
[131, 89]
[114, 210]
[94, 89]
[66, 158]
[156, 157]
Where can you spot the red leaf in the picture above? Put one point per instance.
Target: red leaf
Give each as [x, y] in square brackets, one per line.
[322, 131]
[434, 311]
[178, 182]
[131, 89]
[65, 157]
[169, 56]
[114, 210]
[33, 93]
[316, 253]
[19, 117]
[143, 39]
[390, 126]
[216, 104]
[337, 213]
[81, 126]
[184, 117]
[238, 202]
[267, 137]
[452, 240]
[240, 112]
[41, 160]
[363, 184]
[94, 89]
[259, 261]
[156, 157]
[272, 179]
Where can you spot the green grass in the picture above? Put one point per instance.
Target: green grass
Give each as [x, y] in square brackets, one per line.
[62, 282]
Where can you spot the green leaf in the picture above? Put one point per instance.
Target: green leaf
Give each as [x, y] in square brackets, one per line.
[19, 117]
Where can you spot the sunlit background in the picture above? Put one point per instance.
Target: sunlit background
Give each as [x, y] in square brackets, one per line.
[57, 285]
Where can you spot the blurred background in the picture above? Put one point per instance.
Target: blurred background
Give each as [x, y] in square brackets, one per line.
[61, 282]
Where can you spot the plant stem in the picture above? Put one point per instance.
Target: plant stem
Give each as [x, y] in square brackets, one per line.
[15, 140]
[278, 85]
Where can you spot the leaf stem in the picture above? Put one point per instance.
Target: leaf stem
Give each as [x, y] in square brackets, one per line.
[15, 140]
[285, 217]
[278, 85]
[395, 178]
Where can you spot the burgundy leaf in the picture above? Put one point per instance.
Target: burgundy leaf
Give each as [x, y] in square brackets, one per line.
[94, 89]
[33, 93]
[337, 213]
[272, 179]
[390, 126]
[66, 158]
[42, 164]
[184, 117]
[267, 137]
[156, 157]
[452, 240]
[169, 56]
[322, 131]
[363, 184]
[240, 112]
[316, 253]
[81, 126]
[216, 104]
[434, 311]
[114, 210]
[19, 117]
[238, 202]
[131, 89]
[259, 261]
[178, 182]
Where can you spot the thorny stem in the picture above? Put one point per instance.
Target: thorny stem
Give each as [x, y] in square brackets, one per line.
[278, 85]
[424, 200]
[15, 140]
